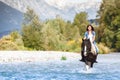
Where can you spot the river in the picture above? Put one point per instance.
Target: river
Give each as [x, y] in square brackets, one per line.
[107, 68]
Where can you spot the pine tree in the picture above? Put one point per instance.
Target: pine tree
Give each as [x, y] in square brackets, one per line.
[31, 32]
[81, 21]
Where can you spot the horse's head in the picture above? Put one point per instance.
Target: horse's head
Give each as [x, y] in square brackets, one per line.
[86, 45]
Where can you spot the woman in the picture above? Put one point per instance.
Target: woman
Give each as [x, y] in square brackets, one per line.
[90, 34]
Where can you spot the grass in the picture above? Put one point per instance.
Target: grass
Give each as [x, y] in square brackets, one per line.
[63, 58]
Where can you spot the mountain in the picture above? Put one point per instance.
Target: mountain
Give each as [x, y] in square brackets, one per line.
[11, 11]
[10, 19]
[48, 9]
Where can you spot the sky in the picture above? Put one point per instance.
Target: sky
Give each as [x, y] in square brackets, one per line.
[80, 1]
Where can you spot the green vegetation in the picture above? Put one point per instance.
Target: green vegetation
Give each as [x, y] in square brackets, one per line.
[103, 49]
[109, 29]
[31, 32]
[80, 21]
[55, 34]
[59, 35]
[12, 42]
[63, 58]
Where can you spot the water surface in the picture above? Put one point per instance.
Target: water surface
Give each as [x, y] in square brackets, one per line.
[107, 68]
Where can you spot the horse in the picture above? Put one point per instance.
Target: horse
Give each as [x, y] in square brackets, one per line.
[87, 55]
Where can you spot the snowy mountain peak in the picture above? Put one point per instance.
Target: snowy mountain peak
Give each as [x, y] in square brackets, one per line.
[63, 4]
[48, 9]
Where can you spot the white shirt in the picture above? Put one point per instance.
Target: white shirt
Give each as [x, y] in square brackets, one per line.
[90, 36]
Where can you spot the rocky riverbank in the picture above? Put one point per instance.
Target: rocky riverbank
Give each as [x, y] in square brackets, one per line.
[31, 56]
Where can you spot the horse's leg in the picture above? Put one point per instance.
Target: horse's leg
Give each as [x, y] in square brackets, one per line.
[96, 57]
[82, 55]
[92, 64]
[88, 65]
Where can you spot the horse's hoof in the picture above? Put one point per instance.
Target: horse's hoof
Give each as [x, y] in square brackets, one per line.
[82, 60]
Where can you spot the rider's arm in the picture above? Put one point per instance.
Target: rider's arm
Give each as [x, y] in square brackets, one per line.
[93, 36]
[85, 36]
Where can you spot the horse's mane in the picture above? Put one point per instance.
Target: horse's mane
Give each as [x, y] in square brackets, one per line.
[87, 43]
